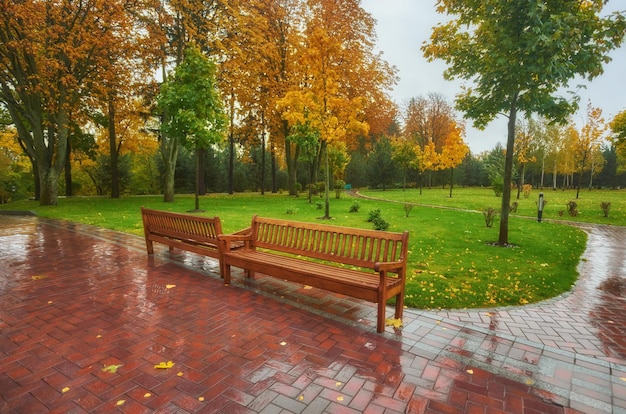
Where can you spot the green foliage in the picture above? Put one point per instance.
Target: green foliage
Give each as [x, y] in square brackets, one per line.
[380, 224]
[373, 215]
[339, 186]
[192, 103]
[519, 54]
[354, 207]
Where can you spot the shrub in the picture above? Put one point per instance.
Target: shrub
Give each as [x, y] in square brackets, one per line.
[339, 187]
[605, 206]
[572, 209]
[380, 224]
[407, 209]
[373, 215]
[354, 208]
[490, 214]
[291, 210]
[514, 207]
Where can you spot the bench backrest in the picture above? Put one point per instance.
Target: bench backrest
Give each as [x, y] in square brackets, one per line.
[181, 226]
[352, 246]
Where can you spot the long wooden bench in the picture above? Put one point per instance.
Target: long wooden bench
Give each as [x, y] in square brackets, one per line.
[196, 234]
[365, 264]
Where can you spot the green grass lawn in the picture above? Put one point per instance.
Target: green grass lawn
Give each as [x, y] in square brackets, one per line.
[555, 202]
[452, 263]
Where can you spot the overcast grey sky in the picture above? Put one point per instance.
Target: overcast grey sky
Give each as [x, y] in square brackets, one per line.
[404, 25]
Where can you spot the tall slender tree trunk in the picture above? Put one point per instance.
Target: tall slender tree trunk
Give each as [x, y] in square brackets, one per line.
[201, 167]
[115, 177]
[273, 161]
[503, 238]
[263, 162]
[68, 172]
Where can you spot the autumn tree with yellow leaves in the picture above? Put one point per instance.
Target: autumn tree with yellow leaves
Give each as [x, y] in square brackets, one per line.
[336, 68]
[54, 55]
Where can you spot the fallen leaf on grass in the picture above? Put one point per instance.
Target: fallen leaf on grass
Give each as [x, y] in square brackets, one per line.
[164, 365]
[396, 323]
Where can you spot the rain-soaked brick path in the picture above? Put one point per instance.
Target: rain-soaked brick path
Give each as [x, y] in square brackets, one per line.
[85, 315]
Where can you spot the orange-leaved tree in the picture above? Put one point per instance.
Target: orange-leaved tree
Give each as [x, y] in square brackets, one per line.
[52, 57]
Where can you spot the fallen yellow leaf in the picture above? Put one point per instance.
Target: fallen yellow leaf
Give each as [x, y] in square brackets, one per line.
[180, 374]
[396, 323]
[340, 398]
[170, 286]
[164, 365]
[470, 371]
[200, 398]
[301, 398]
[120, 402]
[338, 384]
[39, 277]
[111, 368]
[147, 395]
[64, 390]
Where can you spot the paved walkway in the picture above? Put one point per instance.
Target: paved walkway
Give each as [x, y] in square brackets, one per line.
[85, 315]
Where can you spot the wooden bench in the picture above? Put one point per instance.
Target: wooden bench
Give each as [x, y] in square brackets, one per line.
[196, 234]
[365, 264]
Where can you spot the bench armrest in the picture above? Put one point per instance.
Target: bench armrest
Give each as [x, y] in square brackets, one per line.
[389, 266]
[241, 237]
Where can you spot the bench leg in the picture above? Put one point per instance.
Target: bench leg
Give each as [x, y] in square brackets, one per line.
[380, 322]
[149, 246]
[399, 305]
[225, 270]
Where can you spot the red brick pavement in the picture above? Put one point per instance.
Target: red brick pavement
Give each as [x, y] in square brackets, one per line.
[76, 299]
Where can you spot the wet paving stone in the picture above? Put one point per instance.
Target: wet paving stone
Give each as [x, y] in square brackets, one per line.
[76, 299]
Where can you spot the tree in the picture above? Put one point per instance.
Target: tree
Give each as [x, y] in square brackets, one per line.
[191, 99]
[586, 144]
[53, 56]
[618, 128]
[518, 55]
[453, 152]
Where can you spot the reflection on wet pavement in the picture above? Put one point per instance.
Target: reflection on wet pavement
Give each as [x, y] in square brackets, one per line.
[74, 298]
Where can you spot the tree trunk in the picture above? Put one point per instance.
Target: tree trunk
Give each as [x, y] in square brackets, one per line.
[263, 162]
[50, 166]
[503, 238]
[169, 151]
[201, 171]
[451, 180]
[273, 160]
[115, 177]
[68, 172]
[327, 186]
